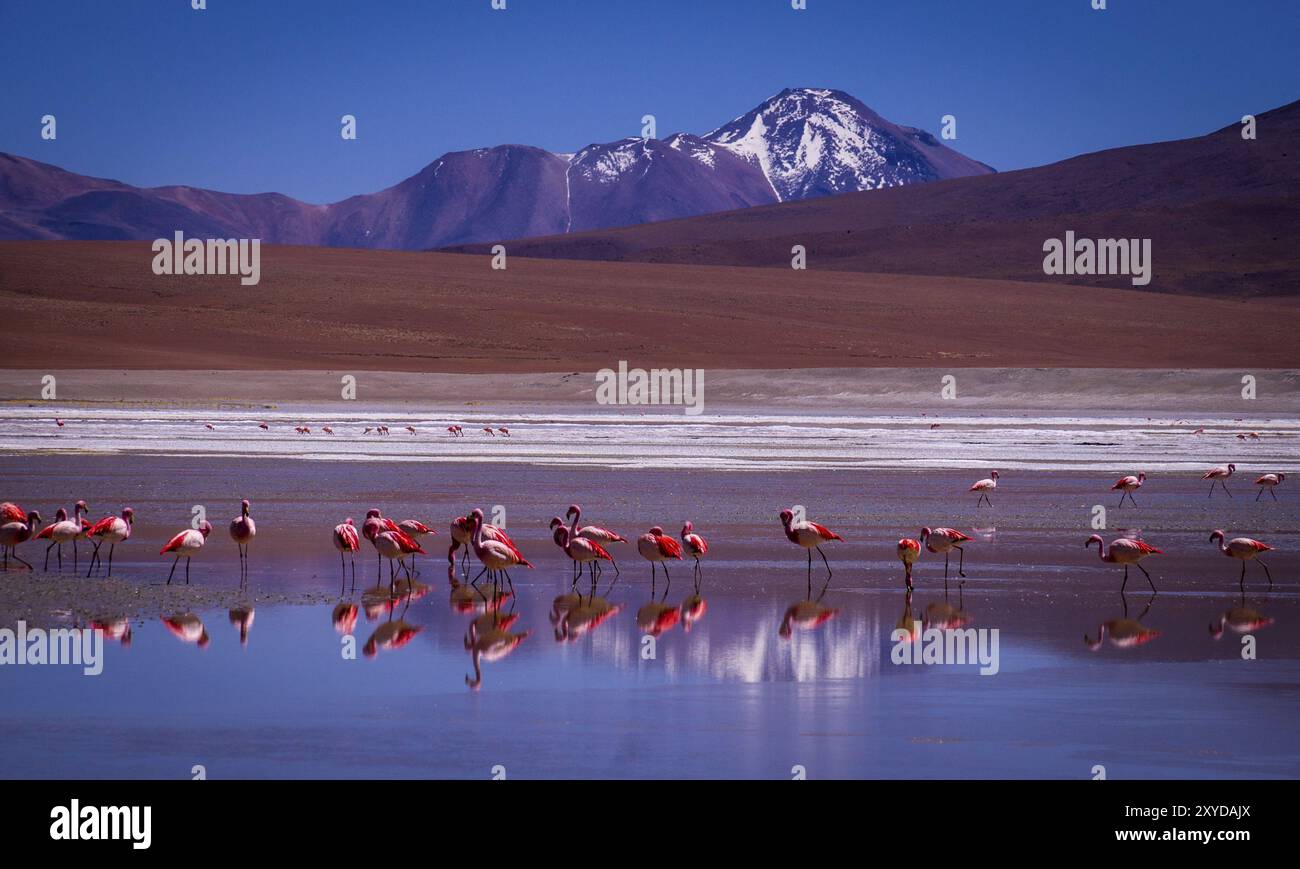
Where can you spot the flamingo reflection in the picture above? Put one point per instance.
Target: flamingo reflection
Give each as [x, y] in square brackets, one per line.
[188, 628]
[1240, 620]
[488, 639]
[241, 616]
[1124, 633]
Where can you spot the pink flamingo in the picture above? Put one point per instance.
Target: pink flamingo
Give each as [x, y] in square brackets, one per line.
[590, 532]
[451, 429]
[347, 540]
[12, 533]
[186, 545]
[242, 531]
[505, 432]
[656, 548]
[1127, 486]
[263, 426]
[411, 429]
[489, 431]
[65, 530]
[696, 545]
[1267, 483]
[1219, 475]
[1244, 548]
[810, 536]
[497, 556]
[909, 551]
[942, 541]
[988, 484]
[111, 530]
[327, 430]
[395, 545]
[59, 423]
[581, 552]
[415, 529]
[463, 535]
[1125, 551]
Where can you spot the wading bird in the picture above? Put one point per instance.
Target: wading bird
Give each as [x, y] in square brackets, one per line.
[810, 536]
[942, 541]
[497, 556]
[656, 548]
[65, 530]
[1243, 548]
[111, 530]
[1268, 483]
[581, 551]
[13, 532]
[1125, 551]
[242, 531]
[909, 551]
[347, 540]
[186, 544]
[988, 484]
[1126, 486]
[1219, 475]
[696, 546]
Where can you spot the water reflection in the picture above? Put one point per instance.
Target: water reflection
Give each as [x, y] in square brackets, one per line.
[1240, 619]
[1124, 633]
[188, 628]
[489, 639]
[241, 616]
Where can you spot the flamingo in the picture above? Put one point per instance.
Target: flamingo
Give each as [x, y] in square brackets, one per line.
[489, 431]
[186, 544]
[60, 423]
[111, 530]
[600, 535]
[505, 432]
[13, 533]
[988, 484]
[1127, 486]
[347, 540]
[696, 545]
[463, 535]
[909, 551]
[327, 430]
[242, 531]
[451, 429]
[411, 429]
[1267, 483]
[1125, 551]
[810, 536]
[944, 541]
[263, 426]
[1219, 475]
[394, 545]
[1244, 548]
[496, 555]
[581, 551]
[209, 426]
[415, 529]
[64, 530]
[10, 512]
[656, 548]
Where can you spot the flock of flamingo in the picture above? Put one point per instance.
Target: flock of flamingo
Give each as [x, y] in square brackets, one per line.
[585, 545]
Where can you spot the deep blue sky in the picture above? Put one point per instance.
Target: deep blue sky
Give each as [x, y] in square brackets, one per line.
[246, 96]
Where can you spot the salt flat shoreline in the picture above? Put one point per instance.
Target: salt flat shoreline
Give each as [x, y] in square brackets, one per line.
[805, 390]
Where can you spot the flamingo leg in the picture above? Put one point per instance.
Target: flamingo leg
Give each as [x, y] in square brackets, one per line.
[1242, 582]
[110, 559]
[810, 574]
[652, 580]
[1274, 494]
[188, 559]
[1266, 573]
[1261, 493]
[946, 556]
[173, 570]
[1125, 584]
[1148, 576]
[825, 562]
[46, 568]
[961, 562]
[668, 581]
[61, 557]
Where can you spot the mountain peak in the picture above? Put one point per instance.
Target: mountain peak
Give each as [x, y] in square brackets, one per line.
[820, 142]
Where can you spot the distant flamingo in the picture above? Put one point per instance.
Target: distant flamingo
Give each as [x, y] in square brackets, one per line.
[504, 431]
[451, 429]
[696, 546]
[263, 426]
[327, 430]
[242, 531]
[1268, 483]
[186, 545]
[1219, 475]
[810, 536]
[59, 423]
[347, 540]
[1244, 548]
[1125, 551]
[209, 426]
[942, 541]
[909, 551]
[13, 533]
[65, 530]
[111, 530]
[988, 484]
[411, 429]
[489, 431]
[656, 548]
[1127, 486]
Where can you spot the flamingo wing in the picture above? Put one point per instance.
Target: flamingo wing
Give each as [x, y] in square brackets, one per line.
[824, 532]
[175, 543]
[10, 512]
[669, 547]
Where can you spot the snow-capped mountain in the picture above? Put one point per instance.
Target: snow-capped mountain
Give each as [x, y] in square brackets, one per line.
[810, 142]
[797, 144]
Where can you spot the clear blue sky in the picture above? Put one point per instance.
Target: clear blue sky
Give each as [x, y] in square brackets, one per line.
[246, 96]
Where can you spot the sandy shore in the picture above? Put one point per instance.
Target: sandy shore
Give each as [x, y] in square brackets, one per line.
[99, 303]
